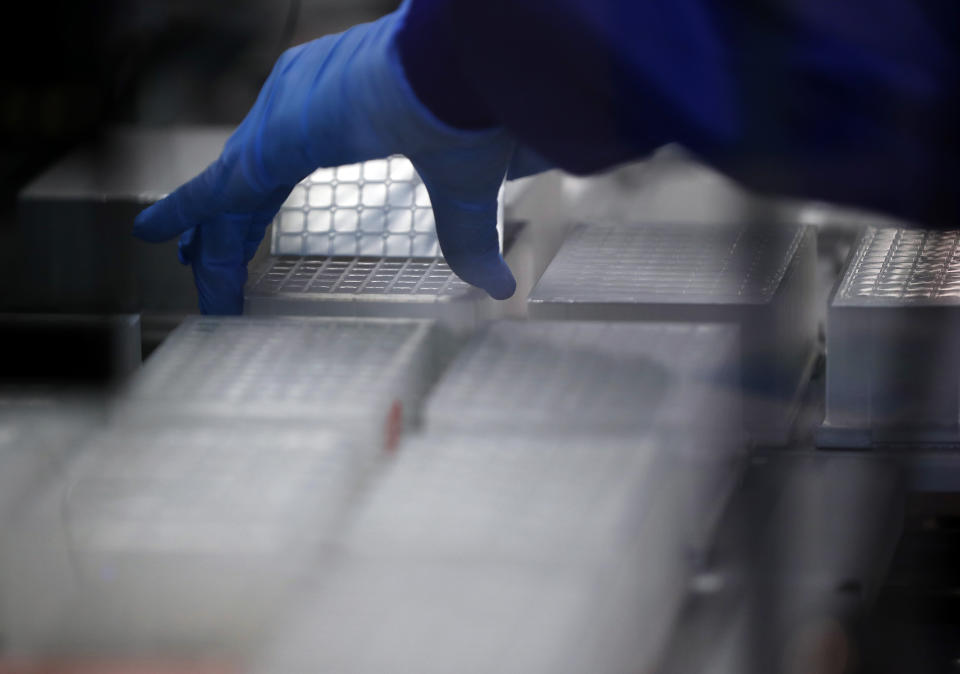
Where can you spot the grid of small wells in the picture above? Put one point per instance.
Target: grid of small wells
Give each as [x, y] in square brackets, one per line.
[379, 207]
[518, 496]
[358, 275]
[262, 366]
[598, 375]
[184, 490]
[656, 262]
[904, 264]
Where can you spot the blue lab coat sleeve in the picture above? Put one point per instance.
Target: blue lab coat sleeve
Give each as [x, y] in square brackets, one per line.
[854, 102]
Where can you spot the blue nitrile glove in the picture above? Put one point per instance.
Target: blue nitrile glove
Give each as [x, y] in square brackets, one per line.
[338, 100]
[526, 162]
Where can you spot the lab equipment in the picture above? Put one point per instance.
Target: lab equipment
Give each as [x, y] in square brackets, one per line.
[42, 423]
[360, 240]
[19, 466]
[35, 438]
[550, 500]
[616, 381]
[760, 278]
[377, 208]
[561, 377]
[421, 287]
[437, 618]
[363, 376]
[76, 217]
[175, 541]
[504, 553]
[41, 427]
[351, 101]
[893, 367]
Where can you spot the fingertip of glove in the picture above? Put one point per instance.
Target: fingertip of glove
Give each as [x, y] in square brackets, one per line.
[145, 225]
[158, 222]
[498, 281]
[488, 272]
[501, 288]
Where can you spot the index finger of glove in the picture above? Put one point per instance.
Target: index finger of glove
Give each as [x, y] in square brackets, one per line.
[222, 188]
[196, 201]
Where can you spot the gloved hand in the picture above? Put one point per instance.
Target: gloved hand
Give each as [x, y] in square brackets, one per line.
[338, 100]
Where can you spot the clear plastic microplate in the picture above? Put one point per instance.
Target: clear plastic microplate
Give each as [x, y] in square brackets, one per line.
[39, 431]
[27, 460]
[339, 374]
[478, 554]
[559, 377]
[360, 240]
[174, 541]
[370, 617]
[364, 286]
[893, 325]
[547, 500]
[761, 278]
[377, 208]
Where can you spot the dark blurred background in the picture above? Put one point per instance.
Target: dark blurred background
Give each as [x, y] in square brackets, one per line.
[70, 68]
